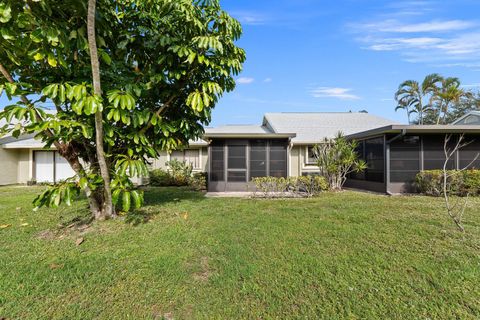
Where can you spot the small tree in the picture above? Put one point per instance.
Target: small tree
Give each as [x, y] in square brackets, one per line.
[336, 158]
[455, 208]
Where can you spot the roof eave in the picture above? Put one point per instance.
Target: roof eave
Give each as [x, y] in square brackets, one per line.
[417, 129]
[250, 135]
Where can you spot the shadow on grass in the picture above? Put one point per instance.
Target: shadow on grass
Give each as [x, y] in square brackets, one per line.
[156, 197]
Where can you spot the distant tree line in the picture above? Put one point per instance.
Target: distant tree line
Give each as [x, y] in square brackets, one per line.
[437, 100]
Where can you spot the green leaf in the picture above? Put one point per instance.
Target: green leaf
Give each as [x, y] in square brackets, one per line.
[36, 36]
[38, 56]
[105, 57]
[6, 34]
[83, 182]
[116, 195]
[5, 13]
[137, 199]
[68, 196]
[126, 201]
[51, 60]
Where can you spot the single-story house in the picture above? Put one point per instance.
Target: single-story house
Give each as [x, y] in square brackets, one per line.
[282, 146]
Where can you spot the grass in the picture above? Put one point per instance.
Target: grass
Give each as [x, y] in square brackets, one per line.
[340, 256]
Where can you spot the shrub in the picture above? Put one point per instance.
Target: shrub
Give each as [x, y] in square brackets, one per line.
[459, 183]
[336, 159]
[160, 178]
[312, 185]
[198, 181]
[306, 186]
[179, 175]
[181, 172]
[271, 186]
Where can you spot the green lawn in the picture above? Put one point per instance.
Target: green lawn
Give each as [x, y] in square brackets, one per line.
[340, 256]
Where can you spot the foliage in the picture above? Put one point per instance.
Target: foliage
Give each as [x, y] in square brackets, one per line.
[336, 158]
[164, 65]
[180, 177]
[460, 183]
[160, 178]
[273, 186]
[437, 100]
[199, 181]
[411, 96]
[305, 186]
[181, 171]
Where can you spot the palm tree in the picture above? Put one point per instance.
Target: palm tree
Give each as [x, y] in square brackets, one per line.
[411, 96]
[449, 94]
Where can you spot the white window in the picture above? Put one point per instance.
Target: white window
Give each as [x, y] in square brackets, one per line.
[310, 158]
[191, 156]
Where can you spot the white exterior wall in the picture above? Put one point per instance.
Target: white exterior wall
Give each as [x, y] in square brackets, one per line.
[25, 165]
[9, 166]
[305, 168]
[294, 162]
[161, 162]
[205, 162]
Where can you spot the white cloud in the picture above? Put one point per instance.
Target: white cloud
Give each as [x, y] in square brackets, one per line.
[395, 26]
[250, 18]
[267, 80]
[245, 80]
[430, 47]
[421, 37]
[331, 92]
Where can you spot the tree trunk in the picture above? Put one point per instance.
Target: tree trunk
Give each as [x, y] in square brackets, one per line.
[107, 209]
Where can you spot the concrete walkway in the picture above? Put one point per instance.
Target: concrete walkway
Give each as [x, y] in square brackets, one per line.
[229, 194]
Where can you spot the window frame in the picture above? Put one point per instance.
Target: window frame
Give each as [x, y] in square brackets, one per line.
[183, 151]
[307, 156]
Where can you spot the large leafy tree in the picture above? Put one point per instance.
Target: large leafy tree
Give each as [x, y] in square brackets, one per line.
[163, 66]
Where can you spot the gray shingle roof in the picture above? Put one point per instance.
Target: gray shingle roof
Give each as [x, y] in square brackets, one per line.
[239, 129]
[314, 127]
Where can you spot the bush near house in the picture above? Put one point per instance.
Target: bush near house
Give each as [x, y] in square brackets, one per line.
[179, 174]
[306, 186]
[460, 183]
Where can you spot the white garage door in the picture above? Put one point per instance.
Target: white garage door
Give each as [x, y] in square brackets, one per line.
[44, 166]
[51, 167]
[63, 170]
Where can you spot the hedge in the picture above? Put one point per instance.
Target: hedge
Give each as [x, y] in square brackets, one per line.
[459, 182]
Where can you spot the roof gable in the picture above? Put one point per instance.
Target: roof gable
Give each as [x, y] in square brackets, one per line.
[471, 118]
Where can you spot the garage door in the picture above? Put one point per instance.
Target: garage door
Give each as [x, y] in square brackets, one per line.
[51, 167]
[44, 166]
[63, 170]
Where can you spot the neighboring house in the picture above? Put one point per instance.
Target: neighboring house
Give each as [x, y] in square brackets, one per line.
[471, 118]
[282, 146]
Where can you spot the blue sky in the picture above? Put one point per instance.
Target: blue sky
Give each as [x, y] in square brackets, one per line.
[317, 56]
[337, 56]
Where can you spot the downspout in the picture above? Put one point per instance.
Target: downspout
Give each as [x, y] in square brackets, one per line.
[387, 159]
[289, 157]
